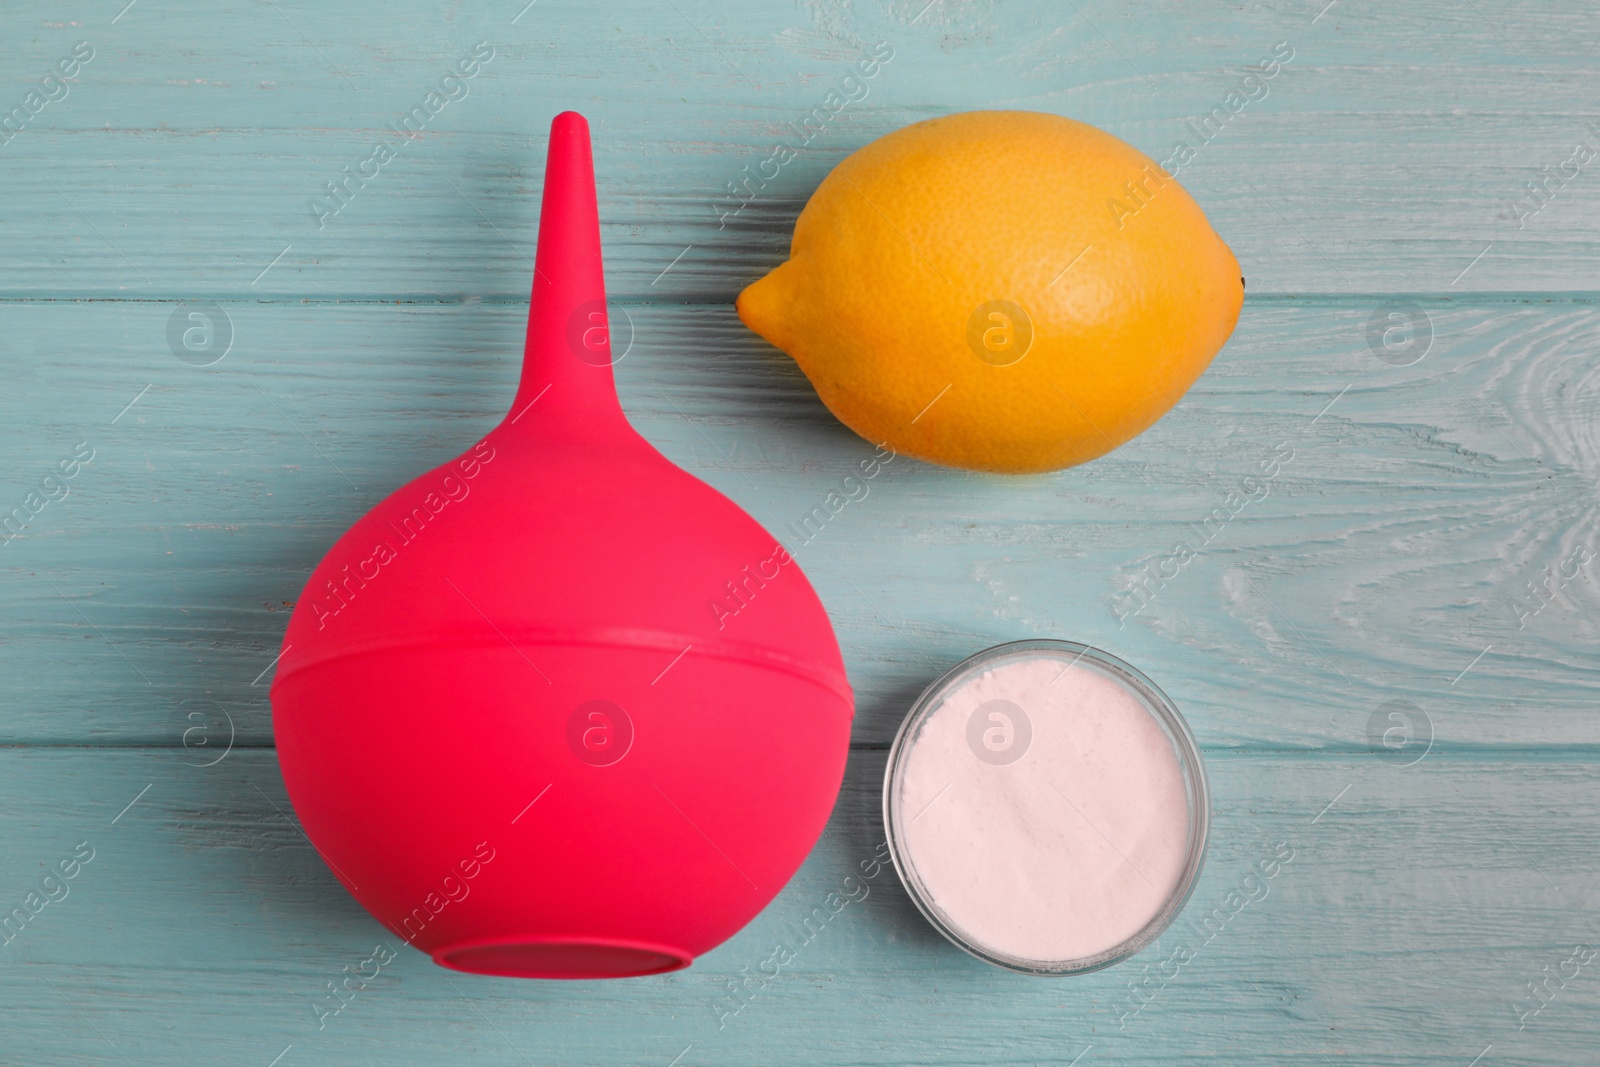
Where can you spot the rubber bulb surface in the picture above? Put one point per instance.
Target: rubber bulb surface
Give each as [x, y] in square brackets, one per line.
[558, 709]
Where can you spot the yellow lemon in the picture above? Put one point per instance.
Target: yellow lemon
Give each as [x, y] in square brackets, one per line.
[1000, 290]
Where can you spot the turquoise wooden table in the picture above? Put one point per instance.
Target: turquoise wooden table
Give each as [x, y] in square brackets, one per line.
[1388, 655]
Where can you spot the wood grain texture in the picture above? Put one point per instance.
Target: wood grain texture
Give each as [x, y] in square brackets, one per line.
[1426, 533]
[1402, 930]
[1396, 543]
[200, 133]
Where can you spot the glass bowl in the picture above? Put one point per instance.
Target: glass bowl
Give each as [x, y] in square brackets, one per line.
[1147, 695]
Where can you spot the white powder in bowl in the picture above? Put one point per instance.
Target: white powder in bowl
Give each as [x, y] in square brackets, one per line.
[1043, 809]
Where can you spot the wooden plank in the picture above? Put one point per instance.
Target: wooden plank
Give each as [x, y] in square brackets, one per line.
[1404, 929]
[1385, 155]
[1395, 544]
